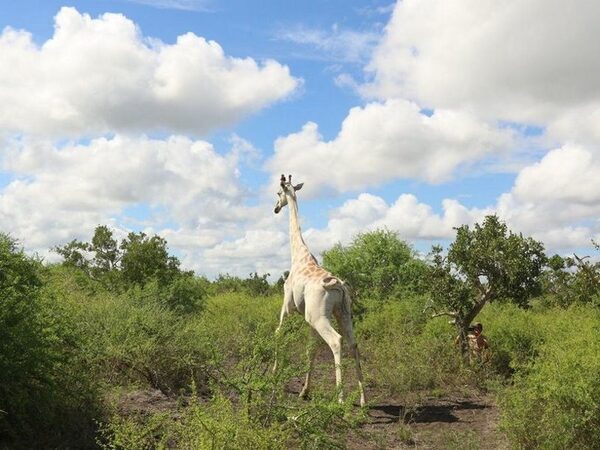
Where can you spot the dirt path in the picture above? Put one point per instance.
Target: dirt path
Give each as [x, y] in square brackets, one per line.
[452, 422]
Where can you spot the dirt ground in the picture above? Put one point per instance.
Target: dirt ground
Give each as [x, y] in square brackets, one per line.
[450, 422]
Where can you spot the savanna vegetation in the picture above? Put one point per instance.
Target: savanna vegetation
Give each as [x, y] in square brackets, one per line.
[117, 347]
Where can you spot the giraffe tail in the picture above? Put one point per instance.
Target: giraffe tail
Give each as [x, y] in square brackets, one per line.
[335, 283]
[346, 300]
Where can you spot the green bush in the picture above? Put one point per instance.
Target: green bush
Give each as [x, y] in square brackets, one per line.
[255, 285]
[134, 338]
[377, 264]
[138, 337]
[221, 424]
[514, 335]
[403, 351]
[555, 402]
[47, 397]
[186, 294]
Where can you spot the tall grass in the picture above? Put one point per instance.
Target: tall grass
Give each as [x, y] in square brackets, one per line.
[554, 402]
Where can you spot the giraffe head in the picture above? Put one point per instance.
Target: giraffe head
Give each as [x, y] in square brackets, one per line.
[286, 188]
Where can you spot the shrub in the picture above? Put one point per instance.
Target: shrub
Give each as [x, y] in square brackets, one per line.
[376, 264]
[403, 351]
[249, 407]
[47, 398]
[134, 338]
[514, 335]
[554, 403]
[255, 285]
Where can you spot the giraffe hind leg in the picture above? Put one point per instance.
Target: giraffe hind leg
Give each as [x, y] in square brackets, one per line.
[334, 340]
[345, 322]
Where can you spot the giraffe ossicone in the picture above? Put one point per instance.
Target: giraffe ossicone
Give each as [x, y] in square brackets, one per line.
[317, 294]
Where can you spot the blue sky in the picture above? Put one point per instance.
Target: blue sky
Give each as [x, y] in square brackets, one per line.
[177, 116]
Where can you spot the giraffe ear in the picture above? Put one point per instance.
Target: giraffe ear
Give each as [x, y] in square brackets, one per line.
[298, 186]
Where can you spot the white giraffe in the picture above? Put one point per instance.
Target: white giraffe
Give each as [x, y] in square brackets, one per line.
[317, 294]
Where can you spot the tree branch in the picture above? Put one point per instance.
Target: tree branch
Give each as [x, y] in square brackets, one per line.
[445, 313]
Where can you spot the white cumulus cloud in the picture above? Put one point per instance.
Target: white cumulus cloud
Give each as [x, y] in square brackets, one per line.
[411, 219]
[61, 193]
[384, 141]
[518, 60]
[98, 75]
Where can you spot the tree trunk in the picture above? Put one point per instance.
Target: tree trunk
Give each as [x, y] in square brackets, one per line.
[462, 328]
[464, 322]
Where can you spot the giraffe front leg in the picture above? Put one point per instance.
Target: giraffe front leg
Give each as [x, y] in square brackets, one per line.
[284, 312]
[277, 332]
[311, 353]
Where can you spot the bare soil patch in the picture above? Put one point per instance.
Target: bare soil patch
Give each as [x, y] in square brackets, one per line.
[449, 422]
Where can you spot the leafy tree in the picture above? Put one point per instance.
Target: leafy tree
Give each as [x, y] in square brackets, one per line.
[145, 258]
[376, 264]
[74, 254]
[105, 247]
[99, 258]
[137, 260]
[485, 263]
[572, 280]
[255, 285]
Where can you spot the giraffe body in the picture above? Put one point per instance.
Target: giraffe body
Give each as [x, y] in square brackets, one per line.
[316, 294]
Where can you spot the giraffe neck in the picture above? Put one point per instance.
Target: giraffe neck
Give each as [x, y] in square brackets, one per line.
[297, 245]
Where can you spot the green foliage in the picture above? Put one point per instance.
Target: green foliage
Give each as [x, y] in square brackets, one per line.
[376, 264]
[514, 334]
[134, 338]
[483, 264]
[45, 397]
[147, 258]
[554, 402]
[255, 285]
[249, 407]
[106, 250]
[186, 294]
[572, 280]
[218, 423]
[404, 351]
[138, 262]
[75, 334]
